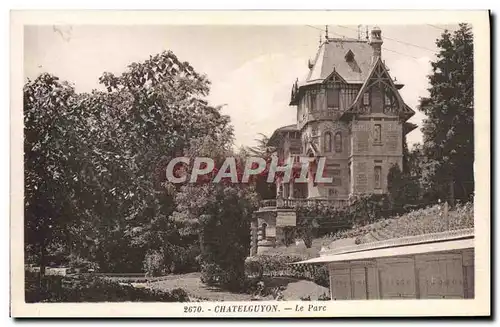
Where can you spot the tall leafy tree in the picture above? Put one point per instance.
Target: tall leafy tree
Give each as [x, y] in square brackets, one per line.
[159, 108]
[262, 150]
[54, 131]
[449, 127]
[93, 162]
[219, 214]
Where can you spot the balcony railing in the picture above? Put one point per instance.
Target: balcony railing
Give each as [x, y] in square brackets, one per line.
[293, 203]
[268, 203]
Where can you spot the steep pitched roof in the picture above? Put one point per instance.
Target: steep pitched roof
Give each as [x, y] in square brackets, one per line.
[351, 59]
[332, 55]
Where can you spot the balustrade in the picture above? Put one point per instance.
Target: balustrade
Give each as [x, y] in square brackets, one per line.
[293, 203]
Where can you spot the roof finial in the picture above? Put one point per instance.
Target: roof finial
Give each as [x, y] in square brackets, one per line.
[320, 40]
[367, 32]
[326, 35]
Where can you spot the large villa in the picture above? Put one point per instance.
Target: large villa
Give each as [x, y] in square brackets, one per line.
[349, 110]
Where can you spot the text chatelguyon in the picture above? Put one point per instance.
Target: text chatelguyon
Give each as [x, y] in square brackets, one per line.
[205, 167]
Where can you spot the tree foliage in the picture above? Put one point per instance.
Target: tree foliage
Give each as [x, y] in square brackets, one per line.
[95, 181]
[404, 190]
[448, 129]
[262, 150]
[219, 214]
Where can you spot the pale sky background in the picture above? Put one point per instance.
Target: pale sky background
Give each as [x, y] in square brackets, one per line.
[252, 68]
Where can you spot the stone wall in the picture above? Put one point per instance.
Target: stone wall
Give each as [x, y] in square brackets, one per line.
[373, 151]
[364, 138]
[363, 173]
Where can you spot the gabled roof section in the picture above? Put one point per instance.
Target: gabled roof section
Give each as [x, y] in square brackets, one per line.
[379, 75]
[335, 77]
[278, 132]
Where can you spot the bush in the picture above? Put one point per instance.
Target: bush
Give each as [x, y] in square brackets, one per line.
[171, 259]
[228, 277]
[179, 259]
[280, 266]
[153, 264]
[289, 234]
[211, 274]
[76, 261]
[253, 268]
[93, 289]
[324, 297]
[321, 275]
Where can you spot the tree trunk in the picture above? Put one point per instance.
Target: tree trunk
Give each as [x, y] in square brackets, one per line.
[451, 199]
[41, 274]
[201, 240]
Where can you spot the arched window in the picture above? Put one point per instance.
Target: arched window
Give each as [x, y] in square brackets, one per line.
[338, 142]
[328, 142]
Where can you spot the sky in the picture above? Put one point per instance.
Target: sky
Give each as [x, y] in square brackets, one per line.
[252, 68]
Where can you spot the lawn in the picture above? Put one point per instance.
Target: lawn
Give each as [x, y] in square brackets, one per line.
[294, 289]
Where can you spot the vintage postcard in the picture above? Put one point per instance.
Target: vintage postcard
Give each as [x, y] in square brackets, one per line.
[250, 164]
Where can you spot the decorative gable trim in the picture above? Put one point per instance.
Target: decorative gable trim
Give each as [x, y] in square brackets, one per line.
[335, 77]
[379, 76]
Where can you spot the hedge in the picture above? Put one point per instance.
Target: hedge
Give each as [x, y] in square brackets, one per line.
[281, 266]
[93, 289]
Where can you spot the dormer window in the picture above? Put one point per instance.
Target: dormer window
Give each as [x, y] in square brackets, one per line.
[349, 56]
[366, 98]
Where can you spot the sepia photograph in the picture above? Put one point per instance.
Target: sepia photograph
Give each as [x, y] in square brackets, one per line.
[247, 169]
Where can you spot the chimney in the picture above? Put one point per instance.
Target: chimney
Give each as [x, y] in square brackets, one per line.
[376, 43]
